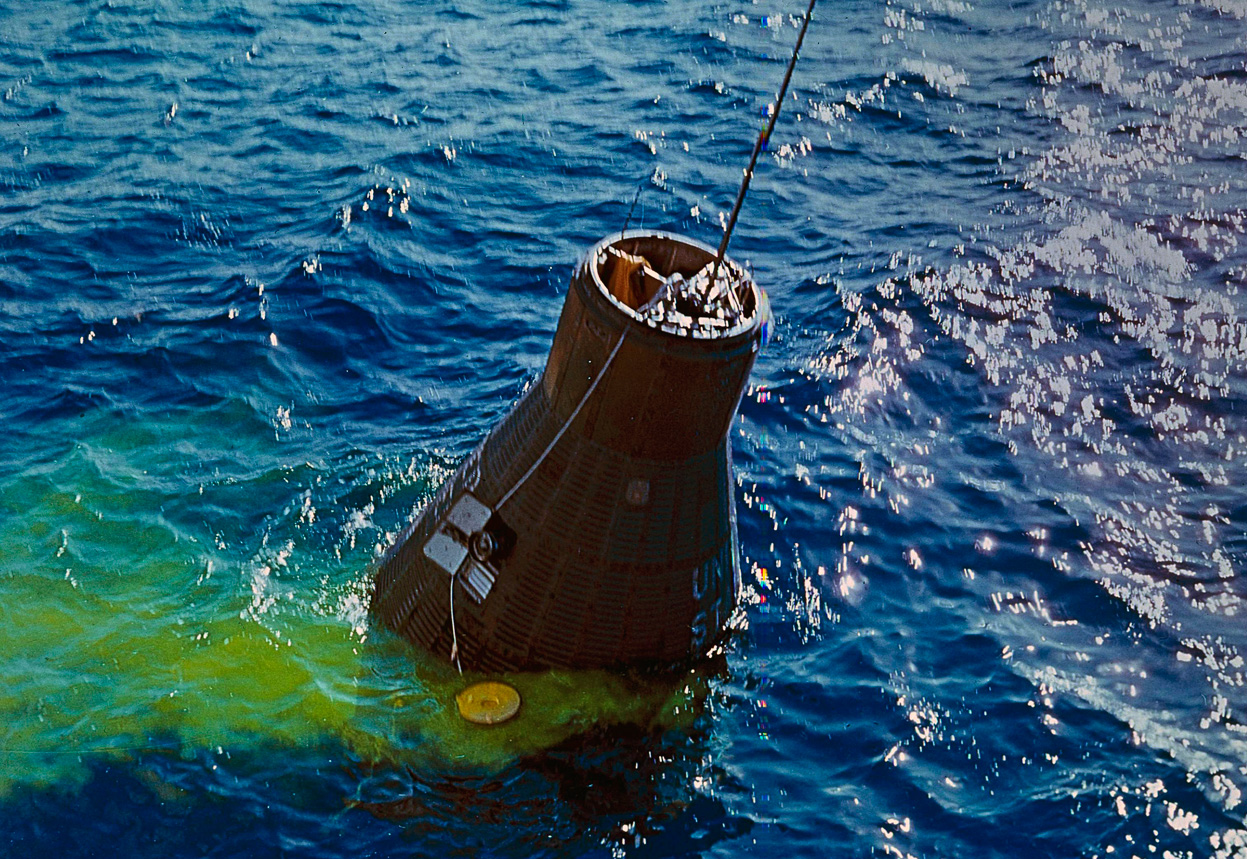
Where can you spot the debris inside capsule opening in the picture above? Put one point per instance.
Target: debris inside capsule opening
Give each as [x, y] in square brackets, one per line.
[675, 295]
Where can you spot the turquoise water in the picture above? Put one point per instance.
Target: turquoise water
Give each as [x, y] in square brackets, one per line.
[267, 271]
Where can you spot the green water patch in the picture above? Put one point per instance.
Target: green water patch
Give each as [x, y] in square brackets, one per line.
[151, 602]
[99, 679]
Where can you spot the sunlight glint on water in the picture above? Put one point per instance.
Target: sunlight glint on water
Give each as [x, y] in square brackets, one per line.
[266, 273]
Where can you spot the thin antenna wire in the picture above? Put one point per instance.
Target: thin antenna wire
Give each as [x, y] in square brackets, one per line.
[753, 159]
[635, 197]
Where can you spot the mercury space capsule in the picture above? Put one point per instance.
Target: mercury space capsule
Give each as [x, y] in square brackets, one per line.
[595, 526]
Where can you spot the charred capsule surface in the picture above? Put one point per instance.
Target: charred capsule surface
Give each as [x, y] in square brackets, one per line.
[595, 526]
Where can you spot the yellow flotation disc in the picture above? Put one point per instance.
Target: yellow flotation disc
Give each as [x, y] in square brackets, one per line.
[488, 703]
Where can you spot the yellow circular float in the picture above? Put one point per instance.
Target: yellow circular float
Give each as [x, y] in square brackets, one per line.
[488, 703]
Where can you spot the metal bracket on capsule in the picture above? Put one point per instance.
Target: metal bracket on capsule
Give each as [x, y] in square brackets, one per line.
[468, 541]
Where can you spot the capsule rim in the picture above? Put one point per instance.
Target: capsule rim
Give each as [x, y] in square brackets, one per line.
[743, 330]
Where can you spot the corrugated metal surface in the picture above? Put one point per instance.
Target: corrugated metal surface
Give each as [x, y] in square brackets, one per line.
[624, 546]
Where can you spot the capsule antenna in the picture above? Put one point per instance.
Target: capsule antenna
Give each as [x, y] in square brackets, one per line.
[763, 137]
[635, 197]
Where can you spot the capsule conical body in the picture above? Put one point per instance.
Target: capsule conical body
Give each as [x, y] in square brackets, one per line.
[594, 527]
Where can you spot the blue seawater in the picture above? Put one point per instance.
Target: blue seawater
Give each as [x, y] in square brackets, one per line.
[268, 269]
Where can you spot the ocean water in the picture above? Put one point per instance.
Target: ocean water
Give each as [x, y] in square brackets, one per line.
[268, 270]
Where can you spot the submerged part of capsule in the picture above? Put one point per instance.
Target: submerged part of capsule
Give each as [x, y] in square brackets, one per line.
[595, 526]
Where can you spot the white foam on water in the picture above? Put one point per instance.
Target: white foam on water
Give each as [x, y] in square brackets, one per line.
[1107, 324]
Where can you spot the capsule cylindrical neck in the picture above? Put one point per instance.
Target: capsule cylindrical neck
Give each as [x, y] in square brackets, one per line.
[666, 391]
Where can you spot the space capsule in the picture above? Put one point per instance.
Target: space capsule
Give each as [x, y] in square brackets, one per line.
[595, 525]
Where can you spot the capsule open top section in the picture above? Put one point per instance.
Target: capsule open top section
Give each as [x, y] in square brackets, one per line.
[663, 281]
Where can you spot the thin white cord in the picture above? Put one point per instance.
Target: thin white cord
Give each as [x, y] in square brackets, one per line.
[454, 634]
[566, 423]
